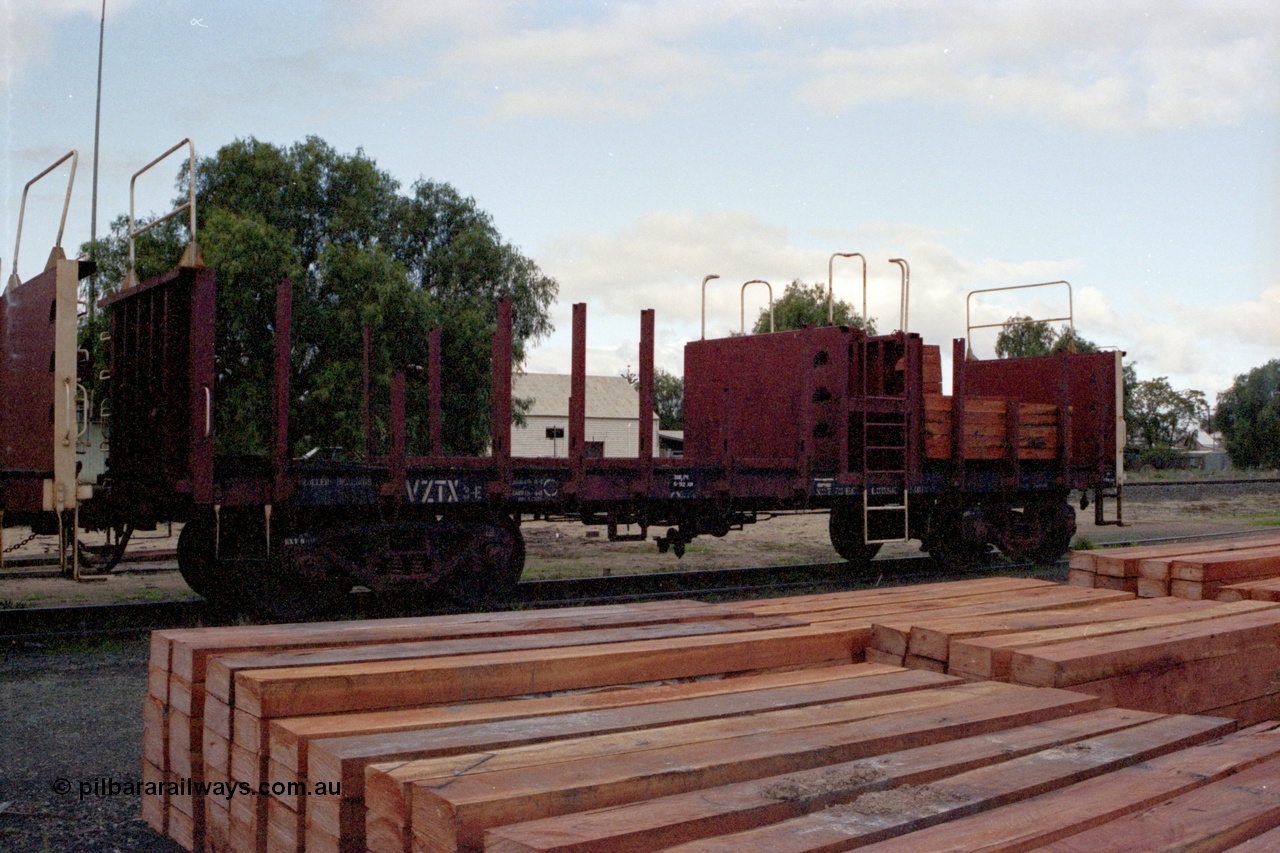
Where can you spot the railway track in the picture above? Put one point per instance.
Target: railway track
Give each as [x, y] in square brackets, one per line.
[98, 621]
[1242, 481]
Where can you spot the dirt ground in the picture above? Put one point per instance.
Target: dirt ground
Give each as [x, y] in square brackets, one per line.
[572, 550]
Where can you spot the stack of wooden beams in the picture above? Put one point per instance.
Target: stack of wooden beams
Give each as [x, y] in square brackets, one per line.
[931, 369]
[198, 733]
[1169, 655]
[992, 427]
[944, 641]
[1096, 781]
[673, 725]
[1226, 665]
[190, 736]
[1267, 589]
[1194, 570]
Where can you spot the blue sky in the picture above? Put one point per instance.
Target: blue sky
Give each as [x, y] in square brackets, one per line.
[1131, 148]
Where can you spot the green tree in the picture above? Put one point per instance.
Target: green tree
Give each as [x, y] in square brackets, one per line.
[1161, 416]
[250, 258]
[1248, 416]
[359, 251]
[1023, 337]
[668, 397]
[806, 305]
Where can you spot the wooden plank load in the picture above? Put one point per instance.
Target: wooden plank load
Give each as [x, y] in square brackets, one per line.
[1267, 589]
[1147, 569]
[992, 427]
[176, 743]
[957, 642]
[710, 727]
[931, 369]
[1225, 665]
[1058, 819]
[1204, 575]
[1058, 787]
[189, 735]
[1169, 655]
[620, 713]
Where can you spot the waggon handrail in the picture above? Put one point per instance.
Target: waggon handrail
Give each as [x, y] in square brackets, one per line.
[705, 279]
[905, 297]
[191, 256]
[1070, 317]
[742, 303]
[831, 308]
[74, 156]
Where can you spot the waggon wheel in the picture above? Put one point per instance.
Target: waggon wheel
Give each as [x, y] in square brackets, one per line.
[950, 543]
[1042, 533]
[846, 528]
[199, 565]
[491, 563]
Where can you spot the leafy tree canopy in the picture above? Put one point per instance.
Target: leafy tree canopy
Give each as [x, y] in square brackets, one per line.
[1248, 416]
[358, 251]
[1160, 416]
[806, 305]
[668, 397]
[1023, 337]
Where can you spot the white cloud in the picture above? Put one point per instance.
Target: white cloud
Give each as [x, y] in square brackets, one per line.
[1125, 67]
[1104, 67]
[1207, 345]
[27, 28]
[658, 262]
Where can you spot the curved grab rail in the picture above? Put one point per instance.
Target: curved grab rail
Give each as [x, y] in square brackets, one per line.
[831, 308]
[74, 157]
[742, 303]
[905, 298]
[191, 256]
[1070, 317]
[705, 279]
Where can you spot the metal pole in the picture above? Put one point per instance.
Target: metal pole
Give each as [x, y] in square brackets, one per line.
[97, 124]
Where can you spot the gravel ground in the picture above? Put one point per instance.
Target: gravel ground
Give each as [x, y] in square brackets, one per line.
[72, 714]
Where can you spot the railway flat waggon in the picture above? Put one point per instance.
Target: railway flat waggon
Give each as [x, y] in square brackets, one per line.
[817, 419]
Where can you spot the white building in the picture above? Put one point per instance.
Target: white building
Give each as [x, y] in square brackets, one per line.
[613, 413]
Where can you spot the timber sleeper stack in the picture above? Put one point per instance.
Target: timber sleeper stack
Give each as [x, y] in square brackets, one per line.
[678, 725]
[1193, 570]
[1168, 655]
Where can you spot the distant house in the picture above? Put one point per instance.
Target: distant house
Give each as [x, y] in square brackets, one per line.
[613, 412]
[671, 442]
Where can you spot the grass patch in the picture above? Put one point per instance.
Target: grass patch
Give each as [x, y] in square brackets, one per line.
[1083, 543]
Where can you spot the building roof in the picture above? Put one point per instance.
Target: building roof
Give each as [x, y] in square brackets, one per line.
[607, 396]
